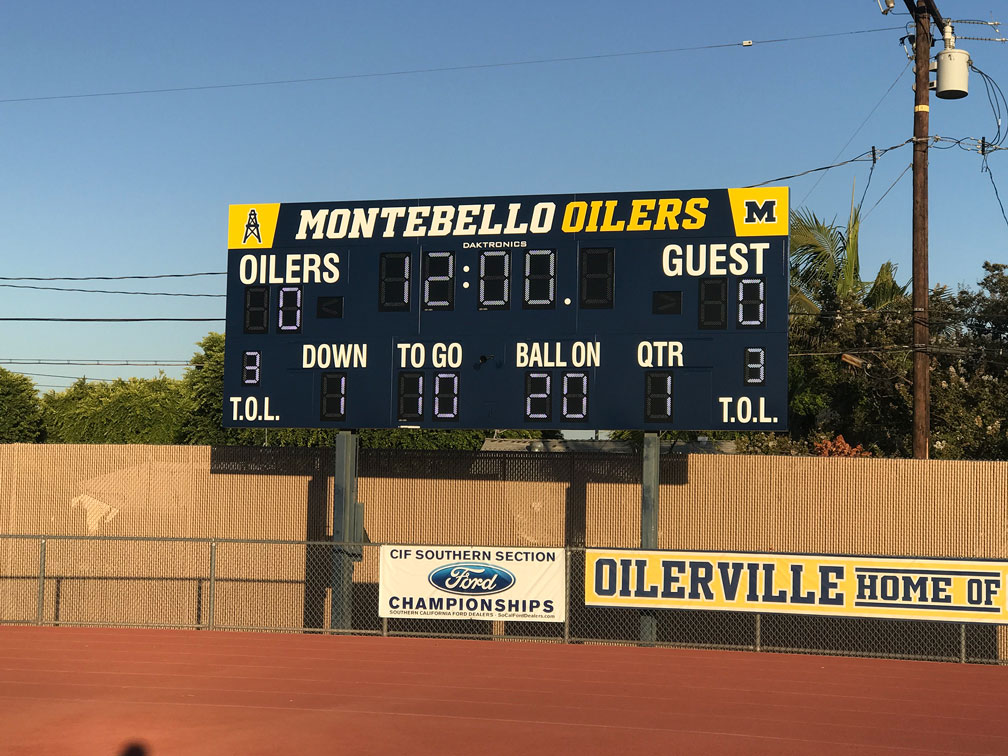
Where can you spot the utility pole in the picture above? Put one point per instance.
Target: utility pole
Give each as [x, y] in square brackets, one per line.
[923, 12]
[921, 328]
[953, 84]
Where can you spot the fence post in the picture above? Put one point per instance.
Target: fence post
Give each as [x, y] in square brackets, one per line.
[40, 600]
[212, 589]
[567, 594]
[759, 630]
[649, 521]
[962, 643]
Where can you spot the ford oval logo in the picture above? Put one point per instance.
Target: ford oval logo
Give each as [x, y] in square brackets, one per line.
[469, 578]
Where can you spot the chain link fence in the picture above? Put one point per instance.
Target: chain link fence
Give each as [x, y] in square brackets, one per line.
[233, 538]
[326, 587]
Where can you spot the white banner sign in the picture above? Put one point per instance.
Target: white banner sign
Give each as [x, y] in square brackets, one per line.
[472, 582]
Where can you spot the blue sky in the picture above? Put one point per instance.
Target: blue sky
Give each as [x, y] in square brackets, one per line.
[139, 184]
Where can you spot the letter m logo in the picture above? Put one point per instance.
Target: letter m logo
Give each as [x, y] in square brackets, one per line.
[760, 212]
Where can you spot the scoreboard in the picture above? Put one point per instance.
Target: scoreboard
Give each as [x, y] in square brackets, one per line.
[659, 310]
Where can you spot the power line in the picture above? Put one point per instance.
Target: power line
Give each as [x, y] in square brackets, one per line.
[998, 103]
[859, 158]
[110, 278]
[103, 362]
[970, 144]
[985, 167]
[108, 291]
[877, 202]
[934, 348]
[862, 350]
[440, 69]
[967, 143]
[871, 172]
[850, 314]
[71, 377]
[112, 320]
[856, 132]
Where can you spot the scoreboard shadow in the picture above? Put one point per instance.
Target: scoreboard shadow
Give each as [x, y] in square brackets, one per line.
[577, 472]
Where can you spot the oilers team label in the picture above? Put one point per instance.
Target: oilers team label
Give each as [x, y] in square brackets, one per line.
[472, 582]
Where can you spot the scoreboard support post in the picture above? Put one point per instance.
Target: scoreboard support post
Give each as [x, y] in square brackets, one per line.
[348, 530]
[650, 480]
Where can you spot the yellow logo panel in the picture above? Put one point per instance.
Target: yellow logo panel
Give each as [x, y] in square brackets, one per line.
[252, 226]
[760, 211]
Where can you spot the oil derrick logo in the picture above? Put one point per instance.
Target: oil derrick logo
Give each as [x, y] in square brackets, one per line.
[252, 227]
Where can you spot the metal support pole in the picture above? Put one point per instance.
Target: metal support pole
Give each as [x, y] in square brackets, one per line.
[348, 531]
[40, 600]
[962, 643]
[759, 632]
[649, 520]
[921, 330]
[211, 591]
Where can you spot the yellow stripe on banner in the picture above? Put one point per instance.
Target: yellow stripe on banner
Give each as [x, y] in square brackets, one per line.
[922, 108]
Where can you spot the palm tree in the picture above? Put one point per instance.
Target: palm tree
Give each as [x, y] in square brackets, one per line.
[826, 269]
[844, 313]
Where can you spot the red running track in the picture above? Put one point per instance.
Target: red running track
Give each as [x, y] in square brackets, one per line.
[93, 691]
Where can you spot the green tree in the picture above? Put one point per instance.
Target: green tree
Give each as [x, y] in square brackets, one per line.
[826, 267]
[134, 411]
[866, 398]
[20, 410]
[835, 312]
[969, 385]
[203, 389]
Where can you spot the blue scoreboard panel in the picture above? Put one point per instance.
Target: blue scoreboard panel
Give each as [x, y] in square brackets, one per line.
[647, 310]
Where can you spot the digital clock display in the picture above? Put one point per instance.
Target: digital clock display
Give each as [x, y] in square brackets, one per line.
[649, 310]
